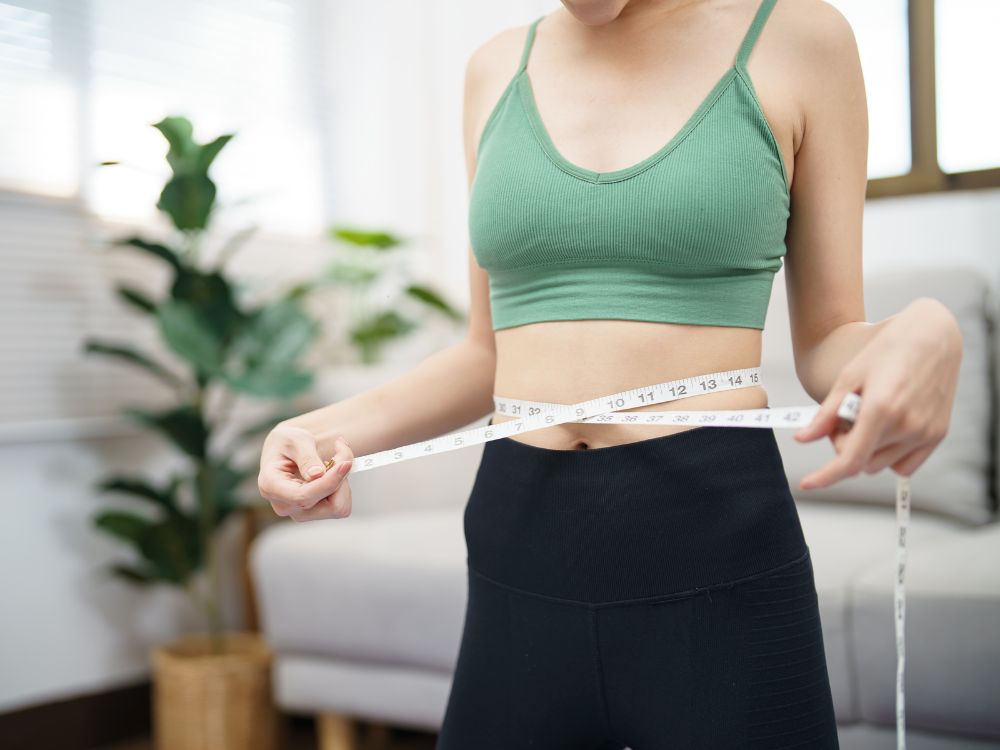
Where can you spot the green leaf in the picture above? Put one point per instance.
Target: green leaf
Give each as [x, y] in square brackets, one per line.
[133, 574]
[130, 355]
[190, 336]
[172, 548]
[432, 299]
[222, 480]
[179, 133]
[165, 497]
[300, 290]
[122, 524]
[136, 298]
[279, 334]
[208, 152]
[211, 296]
[152, 248]
[189, 196]
[267, 348]
[375, 331]
[343, 272]
[379, 240]
[268, 384]
[188, 200]
[182, 425]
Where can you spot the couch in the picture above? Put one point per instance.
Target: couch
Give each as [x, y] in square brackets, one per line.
[365, 614]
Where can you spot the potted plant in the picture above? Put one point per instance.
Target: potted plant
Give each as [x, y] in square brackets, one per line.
[212, 689]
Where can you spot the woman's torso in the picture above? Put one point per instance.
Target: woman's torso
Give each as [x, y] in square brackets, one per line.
[607, 100]
[568, 361]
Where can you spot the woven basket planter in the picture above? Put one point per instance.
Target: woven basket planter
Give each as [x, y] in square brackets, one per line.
[207, 701]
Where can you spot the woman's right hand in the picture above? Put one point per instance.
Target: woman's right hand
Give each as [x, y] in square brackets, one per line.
[294, 480]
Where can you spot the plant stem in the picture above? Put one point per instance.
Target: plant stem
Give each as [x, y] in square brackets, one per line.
[206, 527]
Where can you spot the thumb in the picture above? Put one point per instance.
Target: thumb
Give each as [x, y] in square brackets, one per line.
[303, 451]
[827, 420]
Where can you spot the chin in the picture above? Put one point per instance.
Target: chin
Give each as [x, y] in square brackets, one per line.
[594, 12]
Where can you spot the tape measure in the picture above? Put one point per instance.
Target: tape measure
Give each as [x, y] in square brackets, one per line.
[534, 415]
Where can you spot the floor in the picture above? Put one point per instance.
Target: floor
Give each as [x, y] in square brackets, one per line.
[302, 736]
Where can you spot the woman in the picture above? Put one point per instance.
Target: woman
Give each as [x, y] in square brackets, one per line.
[633, 191]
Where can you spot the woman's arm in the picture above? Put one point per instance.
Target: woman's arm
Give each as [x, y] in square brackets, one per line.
[453, 387]
[905, 367]
[823, 268]
[445, 391]
[930, 322]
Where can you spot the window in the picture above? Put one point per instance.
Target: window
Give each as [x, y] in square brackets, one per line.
[968, 108]
[82, 82]
[933, 117]
[39, 96]
[881, 32]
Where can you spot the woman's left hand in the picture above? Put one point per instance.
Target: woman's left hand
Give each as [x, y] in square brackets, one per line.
[906, 376]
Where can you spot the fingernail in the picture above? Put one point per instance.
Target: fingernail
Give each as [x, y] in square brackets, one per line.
[344, 468]
[315, 471]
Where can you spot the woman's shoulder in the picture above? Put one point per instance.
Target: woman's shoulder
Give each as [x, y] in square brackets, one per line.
[814, 30]
[807, 65]
[497, 57]
[488, 70]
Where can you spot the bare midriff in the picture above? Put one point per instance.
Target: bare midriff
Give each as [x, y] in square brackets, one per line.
[568, 361]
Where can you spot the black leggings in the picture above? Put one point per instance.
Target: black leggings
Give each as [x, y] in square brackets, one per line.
[652, 595]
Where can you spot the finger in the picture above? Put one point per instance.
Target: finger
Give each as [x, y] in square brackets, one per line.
[275, 486]
[860, 442]
[913, 461]
[312, 514]
[279, 484]
[826, 419]
[288, 493]
[311, 492]
[888, 455]
[302, 449]
[337, 505]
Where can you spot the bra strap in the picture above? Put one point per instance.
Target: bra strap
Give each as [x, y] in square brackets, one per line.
[759, 19]
[528, 40]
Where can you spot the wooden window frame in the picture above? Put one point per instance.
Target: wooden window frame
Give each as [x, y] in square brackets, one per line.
[925, 175]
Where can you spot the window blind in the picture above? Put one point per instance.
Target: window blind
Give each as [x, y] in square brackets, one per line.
[82, 82]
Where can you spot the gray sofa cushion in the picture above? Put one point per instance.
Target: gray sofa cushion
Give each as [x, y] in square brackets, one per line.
[868, 737]
[952, 635]
[844, 540]
[388, 589]
[958, 479]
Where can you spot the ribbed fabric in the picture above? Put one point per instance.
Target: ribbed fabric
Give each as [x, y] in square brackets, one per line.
[651, 594]
[694, 233]
[658, 517]
[781, 666]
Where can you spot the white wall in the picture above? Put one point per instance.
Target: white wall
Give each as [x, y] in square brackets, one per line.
[398, 160]
[926, 230]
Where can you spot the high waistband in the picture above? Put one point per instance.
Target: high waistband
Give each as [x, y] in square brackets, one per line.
[656, 518]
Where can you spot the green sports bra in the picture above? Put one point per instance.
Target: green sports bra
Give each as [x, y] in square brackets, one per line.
[693, 233]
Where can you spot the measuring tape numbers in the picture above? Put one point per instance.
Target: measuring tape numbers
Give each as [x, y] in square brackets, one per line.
[534, 415]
